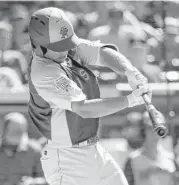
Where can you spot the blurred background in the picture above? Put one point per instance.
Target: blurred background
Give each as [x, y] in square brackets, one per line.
[146, 32]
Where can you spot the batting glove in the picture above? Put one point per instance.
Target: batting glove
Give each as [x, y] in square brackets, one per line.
[135, 78]
[135, 98]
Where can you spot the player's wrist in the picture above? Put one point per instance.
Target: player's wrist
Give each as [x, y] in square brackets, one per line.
[130, 100]
[134, 100]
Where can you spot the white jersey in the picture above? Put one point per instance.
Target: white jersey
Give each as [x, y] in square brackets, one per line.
[52, 89]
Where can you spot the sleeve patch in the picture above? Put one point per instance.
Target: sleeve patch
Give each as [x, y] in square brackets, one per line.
[66, 86]
[63, 83]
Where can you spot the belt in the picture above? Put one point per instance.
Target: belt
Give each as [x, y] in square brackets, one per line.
[88, 142]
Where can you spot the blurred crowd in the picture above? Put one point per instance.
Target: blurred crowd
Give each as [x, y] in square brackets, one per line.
[151, 163]
[146, 32]
[19, 154]
[141, 153]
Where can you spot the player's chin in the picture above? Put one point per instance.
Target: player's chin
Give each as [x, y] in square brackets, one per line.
[62, 58]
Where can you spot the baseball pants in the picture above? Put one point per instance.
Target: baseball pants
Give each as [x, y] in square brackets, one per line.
[90, 165]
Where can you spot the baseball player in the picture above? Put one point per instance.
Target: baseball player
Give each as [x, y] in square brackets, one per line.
[65, 103]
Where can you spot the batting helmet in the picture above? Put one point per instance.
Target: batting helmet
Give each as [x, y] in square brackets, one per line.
[50, 28]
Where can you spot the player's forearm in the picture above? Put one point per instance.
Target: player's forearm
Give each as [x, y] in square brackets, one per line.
[99, 107]
[115, 60]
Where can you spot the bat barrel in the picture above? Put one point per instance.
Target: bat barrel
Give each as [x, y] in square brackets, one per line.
[158, 124]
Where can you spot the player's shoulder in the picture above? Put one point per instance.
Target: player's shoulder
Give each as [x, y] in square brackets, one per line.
[131, 31]
[34, 146]
[137, 158]
[135, 154]
[165, 153]
[99, 31]
[126, 29]
[12, 53]
[43, 68]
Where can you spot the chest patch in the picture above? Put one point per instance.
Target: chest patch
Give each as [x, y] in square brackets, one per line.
[84, 74]
[69, 62]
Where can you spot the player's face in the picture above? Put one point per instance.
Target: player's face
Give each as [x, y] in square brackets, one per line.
[5, 40]
[116, 18]
[13, 134]
[57, 56]
[19, 24]
[5, 84]
[131, 132]
[151, 136]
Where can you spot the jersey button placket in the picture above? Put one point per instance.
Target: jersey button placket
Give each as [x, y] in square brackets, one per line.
[58, 154]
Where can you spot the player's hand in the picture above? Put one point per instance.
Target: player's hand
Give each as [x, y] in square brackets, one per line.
[136, 78]
[135, 98]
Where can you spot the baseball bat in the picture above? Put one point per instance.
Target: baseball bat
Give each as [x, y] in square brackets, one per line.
[157, 122]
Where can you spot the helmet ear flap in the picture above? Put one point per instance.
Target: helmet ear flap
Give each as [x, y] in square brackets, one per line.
[40, 50]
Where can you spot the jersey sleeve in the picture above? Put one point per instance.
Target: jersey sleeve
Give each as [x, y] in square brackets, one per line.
[97, 60]
[88, 52]
[58, 90]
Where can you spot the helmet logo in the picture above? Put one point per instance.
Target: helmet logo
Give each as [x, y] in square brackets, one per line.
[64, 32]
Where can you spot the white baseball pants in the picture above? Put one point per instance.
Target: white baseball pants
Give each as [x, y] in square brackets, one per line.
[90, 165]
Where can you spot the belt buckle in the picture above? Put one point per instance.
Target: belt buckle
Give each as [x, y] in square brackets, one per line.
[92, 140]
[89, 141]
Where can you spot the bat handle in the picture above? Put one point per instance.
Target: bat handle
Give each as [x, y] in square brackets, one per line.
[146, 99]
